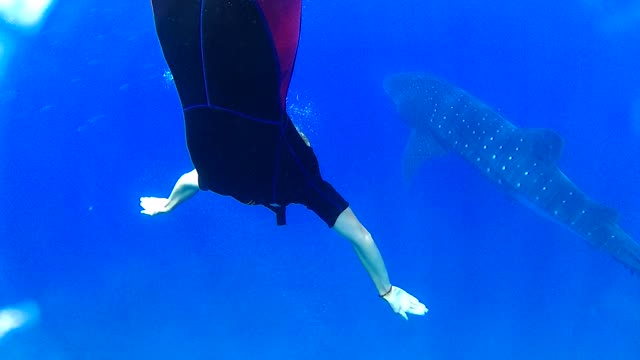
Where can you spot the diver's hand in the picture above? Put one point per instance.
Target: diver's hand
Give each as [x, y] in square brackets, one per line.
[153, 206]
[402, 303]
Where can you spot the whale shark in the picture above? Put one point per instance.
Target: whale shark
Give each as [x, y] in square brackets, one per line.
[521, 161]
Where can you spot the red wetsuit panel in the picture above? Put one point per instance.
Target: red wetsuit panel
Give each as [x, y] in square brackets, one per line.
[283, 18]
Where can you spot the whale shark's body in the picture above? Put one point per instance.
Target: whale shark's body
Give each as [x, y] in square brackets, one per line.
[445, 118]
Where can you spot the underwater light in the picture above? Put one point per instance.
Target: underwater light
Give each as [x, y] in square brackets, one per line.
[24, 13]
[17, 316]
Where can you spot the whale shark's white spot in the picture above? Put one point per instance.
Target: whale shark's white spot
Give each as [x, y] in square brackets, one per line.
[544, 188]
[478, 159]
[526, 173]
[504, 167]
[518, 185]
[510, 157]
[493, 156]
[491, 138]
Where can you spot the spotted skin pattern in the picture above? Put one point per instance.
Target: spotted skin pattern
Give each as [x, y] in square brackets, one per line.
[445, 118]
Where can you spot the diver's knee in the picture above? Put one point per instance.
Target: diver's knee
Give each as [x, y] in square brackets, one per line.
[350, 227]
[364, 237]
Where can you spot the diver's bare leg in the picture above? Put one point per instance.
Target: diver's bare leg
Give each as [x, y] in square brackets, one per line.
[350, 227]
[184, 189]
[400, 301]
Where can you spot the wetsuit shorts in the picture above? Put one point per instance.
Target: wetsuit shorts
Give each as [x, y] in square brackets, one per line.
[232, 62]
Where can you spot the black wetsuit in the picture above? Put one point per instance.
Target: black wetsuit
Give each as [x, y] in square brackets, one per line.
[232, 62]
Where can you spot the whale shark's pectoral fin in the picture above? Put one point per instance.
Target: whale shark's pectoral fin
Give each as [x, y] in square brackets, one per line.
[545, 145]
[420, 148]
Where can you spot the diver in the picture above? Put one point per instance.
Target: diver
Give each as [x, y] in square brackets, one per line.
[232, 61]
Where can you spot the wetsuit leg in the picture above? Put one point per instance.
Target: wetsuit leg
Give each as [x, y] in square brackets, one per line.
[302, 182]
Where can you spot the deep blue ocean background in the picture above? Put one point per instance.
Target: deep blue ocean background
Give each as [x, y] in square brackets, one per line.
[89, 122]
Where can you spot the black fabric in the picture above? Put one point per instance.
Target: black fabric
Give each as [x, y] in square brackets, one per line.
[240, 138]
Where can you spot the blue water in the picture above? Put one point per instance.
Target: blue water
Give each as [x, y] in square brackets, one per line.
[89, 122]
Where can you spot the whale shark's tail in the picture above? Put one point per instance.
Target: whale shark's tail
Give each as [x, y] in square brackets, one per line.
[616, 242]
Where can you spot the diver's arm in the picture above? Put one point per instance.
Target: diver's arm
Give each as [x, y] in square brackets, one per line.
[184, 189]
[401, 302]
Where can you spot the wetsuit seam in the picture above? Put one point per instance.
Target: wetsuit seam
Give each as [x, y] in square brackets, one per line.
[233, 112]
[282, 102]
[295, 55]
[274, 50]
[202, 55]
